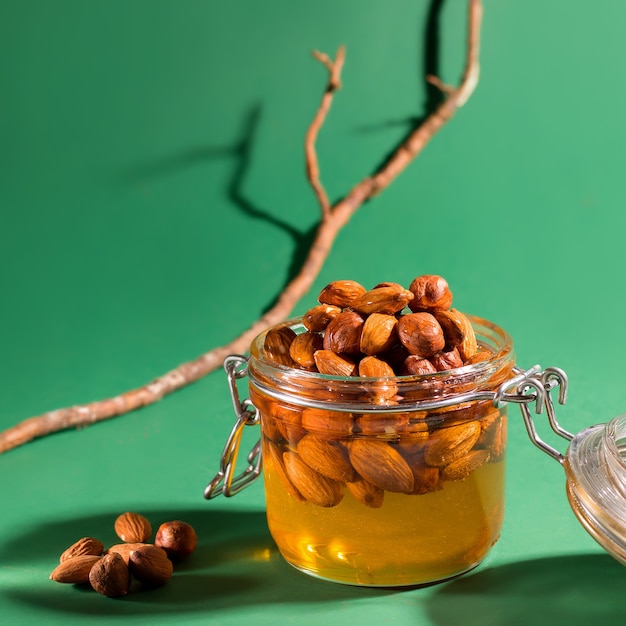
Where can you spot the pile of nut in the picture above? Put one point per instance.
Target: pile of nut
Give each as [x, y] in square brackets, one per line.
[320, 454]
[356, 332]
[111, 572]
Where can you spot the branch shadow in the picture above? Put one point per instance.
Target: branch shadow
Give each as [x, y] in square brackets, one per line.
[577, 590]
[431, 55]
[236, 564]
[241, 150]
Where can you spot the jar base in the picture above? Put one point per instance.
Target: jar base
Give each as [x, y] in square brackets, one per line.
[391, 582]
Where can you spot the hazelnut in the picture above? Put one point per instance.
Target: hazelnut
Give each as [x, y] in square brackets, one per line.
[343, 334]
[177, 538]
[420, 333]
[431, 293]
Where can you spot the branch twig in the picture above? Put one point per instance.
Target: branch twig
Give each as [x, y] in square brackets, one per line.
[334, 218]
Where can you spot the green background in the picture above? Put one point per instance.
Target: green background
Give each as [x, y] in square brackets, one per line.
[153, 201]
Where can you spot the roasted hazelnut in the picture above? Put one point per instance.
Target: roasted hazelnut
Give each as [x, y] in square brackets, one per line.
[415, 365]
[447, 360]
[421, 334]
[177, 538]
[431, 293]
[343, 334]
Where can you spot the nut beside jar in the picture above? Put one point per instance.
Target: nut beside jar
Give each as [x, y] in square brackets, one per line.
[362, 487]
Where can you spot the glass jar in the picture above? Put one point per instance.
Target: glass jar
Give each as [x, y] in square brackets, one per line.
[394, 481]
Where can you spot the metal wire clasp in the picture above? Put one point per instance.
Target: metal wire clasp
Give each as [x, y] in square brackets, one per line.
[535, 385]
[225, 482]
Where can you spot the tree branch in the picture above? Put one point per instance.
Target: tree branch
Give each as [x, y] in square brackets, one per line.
[334, 218]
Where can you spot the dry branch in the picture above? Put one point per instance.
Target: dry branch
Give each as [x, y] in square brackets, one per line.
[334, 218]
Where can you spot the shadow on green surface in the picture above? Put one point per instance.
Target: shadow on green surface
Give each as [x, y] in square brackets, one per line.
[577, 590]
[236, 564]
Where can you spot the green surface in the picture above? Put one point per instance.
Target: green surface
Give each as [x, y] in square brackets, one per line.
[152, 202]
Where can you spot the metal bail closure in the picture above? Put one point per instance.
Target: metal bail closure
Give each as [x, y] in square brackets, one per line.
[225, 482]
[535, 385]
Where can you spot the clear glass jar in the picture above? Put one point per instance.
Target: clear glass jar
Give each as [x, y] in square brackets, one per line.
[595, 467]
[363, 487]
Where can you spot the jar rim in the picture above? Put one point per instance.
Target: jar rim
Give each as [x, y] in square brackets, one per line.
[473, 382]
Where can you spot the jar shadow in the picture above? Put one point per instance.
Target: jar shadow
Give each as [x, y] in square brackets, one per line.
[236, 563]
[577, 590]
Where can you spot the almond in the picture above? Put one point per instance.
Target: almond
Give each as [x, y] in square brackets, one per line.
[288, 422]
[327, 457]
[366, 493]
[317, 318]
[124, 549]
[132, 527]
[462, 467]
[328, 424]
[274, 458]
[450, 443]
[277, 343]
[74, 570]
[315, 487]
[304, 346]
[334, 365]
[86, 545]
[110, 576]
[383, 389]
[380, 464]
[388, 299]
[341, 293]
[150, 566]
[379, 333]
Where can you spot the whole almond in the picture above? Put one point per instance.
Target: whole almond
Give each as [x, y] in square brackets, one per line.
[426, 477]
[458, 331]
[431, 293]
[327, 457]
[379, 333]
[110, 576]
[74, 570]
[388, 299]
[86, 545]
[465, 465]
[315, 487]
[133, 527]
[381, 465]
[332, 364]
[328, 424]
[124, 549]
[275, 461]
[366, 493]
[304, 346]
[450, 443]
[150, 566]
[318, 317]
[341, 293]
[382, 389]
[277, 343]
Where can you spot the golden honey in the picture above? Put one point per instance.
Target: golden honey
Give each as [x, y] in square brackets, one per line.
[409, 540]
